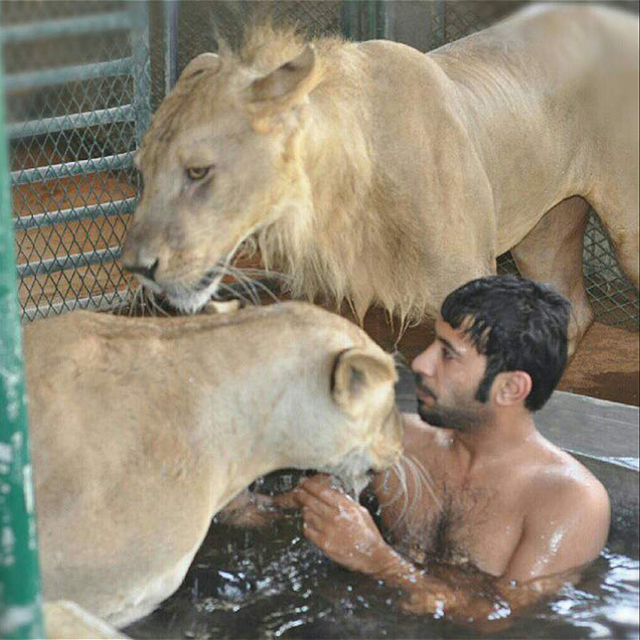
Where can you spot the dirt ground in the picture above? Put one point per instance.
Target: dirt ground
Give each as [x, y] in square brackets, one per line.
[605, 365]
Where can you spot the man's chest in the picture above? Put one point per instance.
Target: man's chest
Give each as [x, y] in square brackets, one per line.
[452, 522]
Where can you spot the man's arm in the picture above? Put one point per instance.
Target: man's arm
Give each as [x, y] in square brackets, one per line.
[344, 530]
[552, 544]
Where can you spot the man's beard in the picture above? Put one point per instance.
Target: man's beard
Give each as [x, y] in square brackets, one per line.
[461, 417]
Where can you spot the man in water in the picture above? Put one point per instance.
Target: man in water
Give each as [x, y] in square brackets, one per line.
[482, 489]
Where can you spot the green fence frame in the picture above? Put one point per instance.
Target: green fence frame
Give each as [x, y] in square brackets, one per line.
[362, 19]
[20, 597]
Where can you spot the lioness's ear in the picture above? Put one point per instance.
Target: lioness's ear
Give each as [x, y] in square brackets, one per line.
[201, 63]
[356, 377]
[287, 85]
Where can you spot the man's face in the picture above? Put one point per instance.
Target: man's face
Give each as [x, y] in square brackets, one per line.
[448, 374]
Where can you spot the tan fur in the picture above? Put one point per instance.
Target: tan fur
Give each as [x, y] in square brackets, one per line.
[142, 429]
[387, 176]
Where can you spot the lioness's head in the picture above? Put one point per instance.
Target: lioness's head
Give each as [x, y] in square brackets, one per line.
[218, 164]
[362, 387]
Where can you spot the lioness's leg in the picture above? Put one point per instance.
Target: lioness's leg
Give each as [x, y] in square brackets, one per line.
[552, 252]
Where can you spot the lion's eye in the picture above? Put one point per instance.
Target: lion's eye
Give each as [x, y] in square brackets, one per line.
[197, 173]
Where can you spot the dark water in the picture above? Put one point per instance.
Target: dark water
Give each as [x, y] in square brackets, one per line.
[274, 584]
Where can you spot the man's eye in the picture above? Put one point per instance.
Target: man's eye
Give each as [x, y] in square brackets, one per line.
[197, 173]
[446, 354]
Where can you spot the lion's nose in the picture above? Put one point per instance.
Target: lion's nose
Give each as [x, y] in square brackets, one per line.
[147, 271]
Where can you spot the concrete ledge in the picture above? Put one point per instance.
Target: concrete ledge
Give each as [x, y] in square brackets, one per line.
[604, 437]
[590, 426]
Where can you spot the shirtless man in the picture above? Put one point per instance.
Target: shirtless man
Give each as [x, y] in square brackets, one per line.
[503, 504]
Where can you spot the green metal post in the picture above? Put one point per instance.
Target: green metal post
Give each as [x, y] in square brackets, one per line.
[361, 19]
[20, 599]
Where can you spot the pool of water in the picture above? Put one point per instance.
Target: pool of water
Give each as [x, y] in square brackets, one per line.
[273, 583]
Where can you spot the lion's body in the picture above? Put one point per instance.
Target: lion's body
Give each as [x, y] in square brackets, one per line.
[377, 173]
[142, 429]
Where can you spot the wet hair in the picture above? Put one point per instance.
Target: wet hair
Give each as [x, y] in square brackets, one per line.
[519, 325]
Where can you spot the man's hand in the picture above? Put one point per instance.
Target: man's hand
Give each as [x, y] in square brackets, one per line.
[340, 527]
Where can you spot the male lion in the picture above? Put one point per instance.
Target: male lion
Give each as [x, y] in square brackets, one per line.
[373, 172]
[142, 429]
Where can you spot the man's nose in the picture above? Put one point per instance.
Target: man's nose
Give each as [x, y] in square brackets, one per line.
[423, 364]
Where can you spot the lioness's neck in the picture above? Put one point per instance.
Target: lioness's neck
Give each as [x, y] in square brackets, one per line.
[240, 424]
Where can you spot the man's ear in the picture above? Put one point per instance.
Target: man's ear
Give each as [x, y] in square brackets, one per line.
[201, 63]
[511, 387]
[357, 375]
[285, 87]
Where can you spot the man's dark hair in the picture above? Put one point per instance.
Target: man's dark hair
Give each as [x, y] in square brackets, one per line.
[519, 325]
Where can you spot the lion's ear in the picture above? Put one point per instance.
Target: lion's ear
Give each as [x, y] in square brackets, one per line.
[357, 376]
[287, 85]
[205, 61]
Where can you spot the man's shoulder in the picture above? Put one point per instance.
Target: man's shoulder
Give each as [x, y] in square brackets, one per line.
[562, 484]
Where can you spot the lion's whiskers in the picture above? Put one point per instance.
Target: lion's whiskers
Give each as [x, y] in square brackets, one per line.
[250, 299]
[246, 284]
[405, 467]
[428, 480]
[399, 470]
[252, 286]
[134, 298]
[155, 307]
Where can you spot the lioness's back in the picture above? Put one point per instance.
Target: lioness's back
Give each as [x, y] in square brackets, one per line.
[143, 428]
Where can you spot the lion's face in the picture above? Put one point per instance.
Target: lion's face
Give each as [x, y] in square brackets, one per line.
[218, 164]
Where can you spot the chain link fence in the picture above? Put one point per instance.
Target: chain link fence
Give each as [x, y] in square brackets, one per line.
[82, 79]
[77, 96]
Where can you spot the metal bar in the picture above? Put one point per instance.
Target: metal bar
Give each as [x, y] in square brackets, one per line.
[141, 68]
[381, 19]
[170, 44]
[33, 79]
[437, 24]
[65, 27]
[90, 212]
[98, 301]
[124, 113]
[414, 22]
[20, 595]
[350, 19]
[117, 162]
[372, 19]
[74, 261]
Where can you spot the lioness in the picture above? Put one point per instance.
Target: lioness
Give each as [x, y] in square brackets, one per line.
[377, 173]
[142, 429]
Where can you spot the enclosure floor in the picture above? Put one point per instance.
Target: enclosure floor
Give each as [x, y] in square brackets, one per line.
[605, 365]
